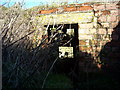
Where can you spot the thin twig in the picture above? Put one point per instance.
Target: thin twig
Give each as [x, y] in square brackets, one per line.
[68, 42]
[48, 73]
[19, 39]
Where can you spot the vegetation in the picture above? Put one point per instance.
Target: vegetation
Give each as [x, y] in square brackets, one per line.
[28, 58]
[21, 59]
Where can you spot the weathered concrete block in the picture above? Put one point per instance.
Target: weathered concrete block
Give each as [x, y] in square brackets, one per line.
[105, 24]
[98, 13]
[82, 42]
[101, 31]
[110, 31]
[67, 18]
[86, 26]
[115, 12]
[87, 31]
[85, 8]
[102, 19]
[69, 9]
[92, 31]
[83, 31]
[111, 18]
[48, 11]
[85, 37]
[118, 18]
[99, 6]
[113, 24]
[111, 6]
[84, 48]
[105, 12]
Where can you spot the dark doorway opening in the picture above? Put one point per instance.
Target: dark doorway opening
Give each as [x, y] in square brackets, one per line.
[65, 29]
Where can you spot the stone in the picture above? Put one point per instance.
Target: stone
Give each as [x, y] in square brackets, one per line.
[113, 25]
[47, 11]
[87, 31]
[110, 31]
[111, 6]
[69, 9]
[86, 26]
[82, 42]
[114, 12]
[99, 7]
[102, 19]
[67, 18]
[92, 31]
[111, 18]
[84, 48]
[84, 8]
[118, 18]
[100, 12]
[85, 37]
[101, 31]
[105, 12]
[83, 31]
[105, 24]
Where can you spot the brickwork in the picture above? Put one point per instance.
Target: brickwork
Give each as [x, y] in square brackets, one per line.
[106, 14]
[96, 22]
